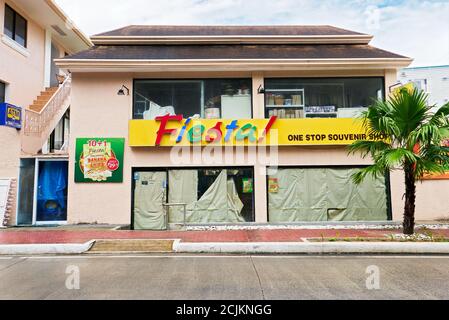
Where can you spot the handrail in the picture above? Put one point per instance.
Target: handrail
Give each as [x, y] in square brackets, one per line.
[36, 122]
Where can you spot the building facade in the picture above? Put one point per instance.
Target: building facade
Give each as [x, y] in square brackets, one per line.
[32, 35]
[229, 125]
[432, 79]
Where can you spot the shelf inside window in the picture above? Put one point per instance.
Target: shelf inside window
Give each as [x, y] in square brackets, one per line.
[285, 106]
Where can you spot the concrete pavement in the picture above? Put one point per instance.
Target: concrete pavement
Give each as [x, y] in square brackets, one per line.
[224, 277]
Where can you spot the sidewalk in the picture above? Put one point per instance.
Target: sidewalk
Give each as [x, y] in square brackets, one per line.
[232, 241]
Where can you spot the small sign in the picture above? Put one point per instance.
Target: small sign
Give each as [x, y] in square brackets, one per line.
[10, 116]
[247, 185]
[99, 159]
[273, 185]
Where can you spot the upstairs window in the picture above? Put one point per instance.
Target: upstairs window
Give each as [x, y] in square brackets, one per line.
[200, 98]
[321, 97]
[15, 26]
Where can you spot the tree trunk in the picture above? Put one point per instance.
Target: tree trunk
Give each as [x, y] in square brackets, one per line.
[410, 197]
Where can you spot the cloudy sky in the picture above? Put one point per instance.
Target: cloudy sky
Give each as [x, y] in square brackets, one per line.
[414, 28]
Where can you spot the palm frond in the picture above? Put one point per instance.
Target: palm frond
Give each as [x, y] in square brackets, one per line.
[375, 170]
[366, 147]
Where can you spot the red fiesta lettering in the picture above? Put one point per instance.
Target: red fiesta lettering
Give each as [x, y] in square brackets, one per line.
[163, 126]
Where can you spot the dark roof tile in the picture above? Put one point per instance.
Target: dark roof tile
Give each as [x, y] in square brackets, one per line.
[135, 30]
[182, 52]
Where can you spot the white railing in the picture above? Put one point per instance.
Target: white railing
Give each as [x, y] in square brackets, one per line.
[37, 122]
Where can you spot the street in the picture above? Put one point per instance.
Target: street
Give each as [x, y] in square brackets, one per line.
[223, 277]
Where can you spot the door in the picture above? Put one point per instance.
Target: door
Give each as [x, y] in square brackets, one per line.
[51, 197]
[149, 196]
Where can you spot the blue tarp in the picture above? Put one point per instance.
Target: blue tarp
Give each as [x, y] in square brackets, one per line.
[53, 182]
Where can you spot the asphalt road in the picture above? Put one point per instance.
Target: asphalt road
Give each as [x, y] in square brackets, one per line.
[224, 277]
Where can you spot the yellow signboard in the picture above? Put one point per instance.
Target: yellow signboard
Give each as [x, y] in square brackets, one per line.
[175, 131]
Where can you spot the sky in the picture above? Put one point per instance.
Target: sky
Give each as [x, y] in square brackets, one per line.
[416, 29]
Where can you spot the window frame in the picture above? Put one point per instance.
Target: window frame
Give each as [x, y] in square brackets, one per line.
[14, 26]
[167, 189]
[190, 79]
[382, 78]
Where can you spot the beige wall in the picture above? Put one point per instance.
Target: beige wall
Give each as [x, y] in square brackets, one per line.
[9, 159]
[24, 76]
[97, 111]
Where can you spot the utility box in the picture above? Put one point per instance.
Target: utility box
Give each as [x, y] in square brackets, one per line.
[10, 116]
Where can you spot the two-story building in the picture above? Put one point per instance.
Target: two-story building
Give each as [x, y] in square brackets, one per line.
[174, 125]
[36, 92]
[434, 80]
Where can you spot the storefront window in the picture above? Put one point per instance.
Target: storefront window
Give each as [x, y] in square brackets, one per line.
[324, 194]
[211, 195]
[321, 97]
[210, 99]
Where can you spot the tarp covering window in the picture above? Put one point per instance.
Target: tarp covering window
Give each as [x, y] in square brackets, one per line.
[183, 186]
[325, 194]
[150, 194]
[219, 204]
[52, 191]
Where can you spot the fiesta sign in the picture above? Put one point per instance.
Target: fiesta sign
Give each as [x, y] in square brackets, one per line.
[174, 130]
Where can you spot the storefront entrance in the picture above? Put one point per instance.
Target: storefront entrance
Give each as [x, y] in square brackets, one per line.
[43, 186]
[192, 196]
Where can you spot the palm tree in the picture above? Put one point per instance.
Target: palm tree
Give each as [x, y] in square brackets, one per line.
[414, 143]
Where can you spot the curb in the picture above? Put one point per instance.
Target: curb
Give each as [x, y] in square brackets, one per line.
[312, 248]
[34, 249]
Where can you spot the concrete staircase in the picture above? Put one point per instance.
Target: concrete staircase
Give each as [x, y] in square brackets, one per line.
[43, 115]
[43, 99]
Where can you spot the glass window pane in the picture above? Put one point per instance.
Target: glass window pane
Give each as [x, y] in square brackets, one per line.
[26, 192]
[321, 97]
[21, 30]
[9, 22]
[52, 191]
[211, 98]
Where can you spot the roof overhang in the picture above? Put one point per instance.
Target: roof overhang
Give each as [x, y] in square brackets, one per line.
[48, 15]
[109, 65]
[264, 39]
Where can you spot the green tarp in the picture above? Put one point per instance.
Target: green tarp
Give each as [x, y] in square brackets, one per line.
[325, 194]
[148, 199]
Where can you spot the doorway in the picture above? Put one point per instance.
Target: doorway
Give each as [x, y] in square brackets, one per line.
[43, 186]
[150, 194]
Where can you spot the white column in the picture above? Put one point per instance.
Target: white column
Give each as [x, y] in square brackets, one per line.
[47, 62]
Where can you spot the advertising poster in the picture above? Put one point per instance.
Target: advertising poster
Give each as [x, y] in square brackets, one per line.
[10, 116]
[99, 160]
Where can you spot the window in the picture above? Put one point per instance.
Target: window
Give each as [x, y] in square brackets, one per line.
[15, 26]
[2, 92]
[321, 97]
[325, 194]
[211, 99]
[211, 195]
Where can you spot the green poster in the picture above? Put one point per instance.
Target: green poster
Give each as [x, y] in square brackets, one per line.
[99, 160]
